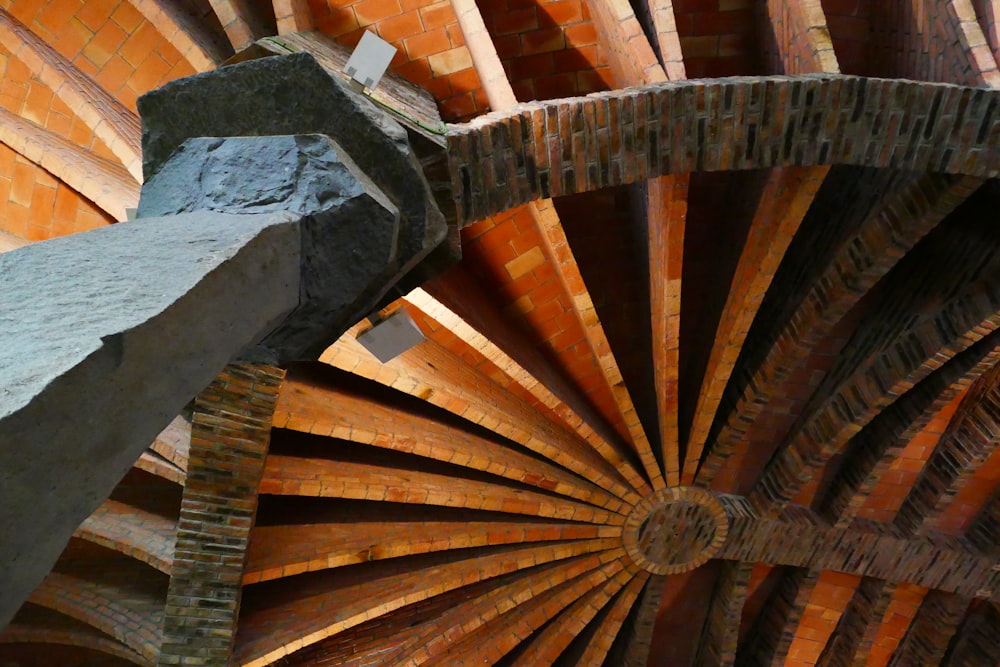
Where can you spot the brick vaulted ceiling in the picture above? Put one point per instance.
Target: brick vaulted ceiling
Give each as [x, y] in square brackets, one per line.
[731, 415]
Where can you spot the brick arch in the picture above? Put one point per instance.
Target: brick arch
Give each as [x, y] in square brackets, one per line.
[104, 182]
[18, 634]
[110, 120]
[137, 533]
[117, 51]
[101, 607]
[35, 205]
[194, 45]
[827, 110]
[279, 618]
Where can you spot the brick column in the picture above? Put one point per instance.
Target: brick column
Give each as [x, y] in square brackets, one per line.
[230, 435]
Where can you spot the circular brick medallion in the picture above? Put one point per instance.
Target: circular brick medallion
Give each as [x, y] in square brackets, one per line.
[675, 530]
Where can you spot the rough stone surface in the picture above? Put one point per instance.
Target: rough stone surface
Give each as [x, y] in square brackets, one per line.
[349, 228]
[295, 95]
[81, 367]
[314, 247]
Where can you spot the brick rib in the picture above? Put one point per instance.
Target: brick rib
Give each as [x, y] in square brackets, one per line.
[970, 438]
[102, 181]
[505, 347]
[976, 641]
[868, 550]
[292, 16]
[106, 116]
[498, 90]
[498, 637]
[84, 637]
[772, 633]
[240, 21]
[321, 407]
[281, 617]
[130, 614]
[548, 645]
[174, 442]
[666, 217]
[283, 551]
[485, 60]
[325, 478]
[636, 648]
[885, 358]
[599, 643]
[926, 640]
[436, 375]
[879, 609]
[963, 30]
[787, 196]
[568, 270]
[910, 210]
[867, 605]
[132, 531]
[473, 614]
[512, 157]
[630, 55]
[156, 465]
[988, 13]
[633, 62]
[719, 635]
[189, 36]
[668, 39]
[984, 531]
[872, 452]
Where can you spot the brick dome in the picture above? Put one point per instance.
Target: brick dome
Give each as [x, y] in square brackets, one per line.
[715, 382]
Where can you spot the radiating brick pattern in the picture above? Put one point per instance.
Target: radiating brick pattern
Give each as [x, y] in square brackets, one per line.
[229, 440]
[540, 150]
[471, 500]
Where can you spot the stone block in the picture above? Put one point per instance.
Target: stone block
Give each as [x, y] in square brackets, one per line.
[350, 229]
[293, 94]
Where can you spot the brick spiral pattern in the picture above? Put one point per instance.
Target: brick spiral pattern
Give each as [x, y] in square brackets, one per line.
[715, 382]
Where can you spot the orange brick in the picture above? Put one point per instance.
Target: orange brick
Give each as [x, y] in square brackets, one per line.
[581, 34]
[427, 43]
[542, 41]
[104, 44]
[448, 62]
[373, 11]
[400, 27]
[437, 15]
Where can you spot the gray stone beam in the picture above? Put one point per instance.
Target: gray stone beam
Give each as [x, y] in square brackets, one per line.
[256, 248]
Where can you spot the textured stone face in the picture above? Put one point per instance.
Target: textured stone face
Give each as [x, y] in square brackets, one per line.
[294, 95]
[83, 363]
[349, 229]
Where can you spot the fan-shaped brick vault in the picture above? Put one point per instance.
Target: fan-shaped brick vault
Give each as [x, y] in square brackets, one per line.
[767, 437]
